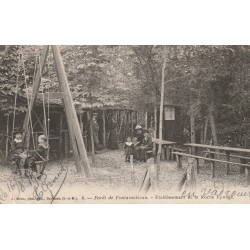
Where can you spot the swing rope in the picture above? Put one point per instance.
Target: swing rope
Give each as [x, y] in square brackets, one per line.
[28, 102]
[16, 90]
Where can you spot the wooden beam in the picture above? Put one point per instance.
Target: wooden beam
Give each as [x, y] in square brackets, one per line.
[71, 112]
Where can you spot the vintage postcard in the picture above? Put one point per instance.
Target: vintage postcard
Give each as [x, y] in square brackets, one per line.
[124, 124]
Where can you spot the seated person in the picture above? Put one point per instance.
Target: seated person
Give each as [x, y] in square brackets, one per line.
[40, 154]
[18, 154]
[146, 145]
[129, 149]
[139, 134]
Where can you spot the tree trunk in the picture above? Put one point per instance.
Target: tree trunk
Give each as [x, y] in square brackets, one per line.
[205, 130]
[155, 128]
[146, 119]
[213, 127]
[192, 123]
[161, 111]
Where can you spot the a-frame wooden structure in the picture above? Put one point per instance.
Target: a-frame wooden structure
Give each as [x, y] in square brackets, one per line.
[79, 150]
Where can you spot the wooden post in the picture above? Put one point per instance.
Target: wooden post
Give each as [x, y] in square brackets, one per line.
[197, 166]
[192, 122]
[161, 110]
[137, 118]
[132, 169]
[212, 164]
[104, 128]
[71, 112]
[247, 175]
[80, 121]
[191, 175]
[242, 168]
[155, 128]
[89, 114]
[132, 123]
[7, 138]
[228, 165]
[179, 161]
[146, 119]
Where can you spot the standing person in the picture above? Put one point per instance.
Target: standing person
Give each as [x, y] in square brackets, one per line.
[112, 138]
[95, 130]
[18, 154]
[128, 149]
[139, 136]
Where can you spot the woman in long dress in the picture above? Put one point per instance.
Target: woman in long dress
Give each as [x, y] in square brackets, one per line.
[112, 139]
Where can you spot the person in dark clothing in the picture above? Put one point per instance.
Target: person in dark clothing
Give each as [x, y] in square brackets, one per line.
[18, 154]
[112, 138]
[40, 154]
[139, 138]
[129, 149]
[139, 134]
[146, 145]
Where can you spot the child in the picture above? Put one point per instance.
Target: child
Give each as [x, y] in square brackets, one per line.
[40, 154]
[19, 155]
[129, 149]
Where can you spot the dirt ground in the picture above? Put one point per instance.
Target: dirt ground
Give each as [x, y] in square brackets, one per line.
[110, 173]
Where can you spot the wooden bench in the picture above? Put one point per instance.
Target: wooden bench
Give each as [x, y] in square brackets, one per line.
[212, 160]
[243, 159]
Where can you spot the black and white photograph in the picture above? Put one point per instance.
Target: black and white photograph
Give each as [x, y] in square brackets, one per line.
[125, 124]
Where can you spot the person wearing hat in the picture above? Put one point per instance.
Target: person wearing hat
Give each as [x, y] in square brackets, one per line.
[95, 130]
[139, 138]
[146, 145]
[18, 154]
[40, 154]
[112, 136]
[139, 134]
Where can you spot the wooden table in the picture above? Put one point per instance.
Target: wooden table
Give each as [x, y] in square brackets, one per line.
[166, 152]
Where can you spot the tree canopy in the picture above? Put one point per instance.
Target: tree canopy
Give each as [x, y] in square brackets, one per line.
[197, 77]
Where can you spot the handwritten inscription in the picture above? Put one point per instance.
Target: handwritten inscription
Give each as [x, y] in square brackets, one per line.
[41, 188]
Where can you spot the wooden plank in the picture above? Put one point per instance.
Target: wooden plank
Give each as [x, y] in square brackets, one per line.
[218, 147]
[69, 105]
[209, 159]
[163, 142]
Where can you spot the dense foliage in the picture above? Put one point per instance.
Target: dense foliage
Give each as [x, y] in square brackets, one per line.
[197, 77]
